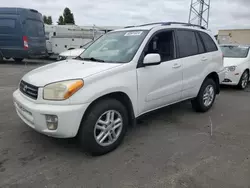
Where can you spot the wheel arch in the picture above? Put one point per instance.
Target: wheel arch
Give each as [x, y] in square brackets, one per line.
[214, 76]
[247, 69]
[121, 97]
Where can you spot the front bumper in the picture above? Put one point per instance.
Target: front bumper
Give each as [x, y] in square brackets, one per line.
[33, 114]
[232, 78]
[222, 75]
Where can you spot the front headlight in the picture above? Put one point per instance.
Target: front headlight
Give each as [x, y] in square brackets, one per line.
[62, 90]
[231, 68]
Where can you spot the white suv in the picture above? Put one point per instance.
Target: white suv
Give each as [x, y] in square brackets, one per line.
[121, 76]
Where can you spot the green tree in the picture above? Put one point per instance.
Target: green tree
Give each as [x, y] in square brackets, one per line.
[61, 21]
[45, 19]
[68, 16]
[49, 20]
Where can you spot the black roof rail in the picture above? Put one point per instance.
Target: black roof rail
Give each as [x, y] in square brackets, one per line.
[184, 24]
[129, 26]
[169, 23]
[144, 24]
[154, 23]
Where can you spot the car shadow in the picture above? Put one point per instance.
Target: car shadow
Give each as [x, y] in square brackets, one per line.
[71, 147]
[234, 88]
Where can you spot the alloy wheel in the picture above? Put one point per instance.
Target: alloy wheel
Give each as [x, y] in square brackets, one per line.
[108, 128]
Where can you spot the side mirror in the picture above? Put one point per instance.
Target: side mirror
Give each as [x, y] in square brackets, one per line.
[152, 59]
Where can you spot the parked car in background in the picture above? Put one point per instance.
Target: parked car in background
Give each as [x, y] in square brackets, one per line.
[121, 76]
[237, 64]
[70, 54]
[21, 34]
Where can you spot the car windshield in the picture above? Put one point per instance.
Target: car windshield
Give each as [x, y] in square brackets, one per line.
[86, 45]
[115, 47]
[235, 51]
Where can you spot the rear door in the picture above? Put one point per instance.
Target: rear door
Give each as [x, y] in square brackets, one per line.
[36, 36]
[10, 34]
[193, 65]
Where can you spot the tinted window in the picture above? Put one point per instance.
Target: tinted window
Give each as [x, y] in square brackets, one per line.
[34, 28]
[208, 42]
[163, 44]
[7, 25]
[187, 43]
[200, 44]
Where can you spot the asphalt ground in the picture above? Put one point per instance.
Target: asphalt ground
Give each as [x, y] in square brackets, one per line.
[172, 147]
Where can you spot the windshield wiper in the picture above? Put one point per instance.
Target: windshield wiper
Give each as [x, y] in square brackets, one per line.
[78, 58]
[93, 59]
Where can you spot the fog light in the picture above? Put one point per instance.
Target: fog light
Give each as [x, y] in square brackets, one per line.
[52, 121]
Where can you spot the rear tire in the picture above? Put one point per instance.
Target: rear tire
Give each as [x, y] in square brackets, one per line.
[244, 80]
[206, 96]
[18, 60]
[99, 122]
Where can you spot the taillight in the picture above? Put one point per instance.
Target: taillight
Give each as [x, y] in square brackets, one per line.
[25, 42]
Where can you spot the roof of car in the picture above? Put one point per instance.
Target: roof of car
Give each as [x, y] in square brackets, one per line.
[150, 26]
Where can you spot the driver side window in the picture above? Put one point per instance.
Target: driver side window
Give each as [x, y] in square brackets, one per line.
[163, 44]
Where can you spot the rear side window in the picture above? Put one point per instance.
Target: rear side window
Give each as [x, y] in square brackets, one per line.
[7, 25]
[187, 43]
[200, 44]
[208, 42]
[34, 28]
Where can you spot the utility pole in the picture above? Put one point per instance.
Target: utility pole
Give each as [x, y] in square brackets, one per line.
[199, 12]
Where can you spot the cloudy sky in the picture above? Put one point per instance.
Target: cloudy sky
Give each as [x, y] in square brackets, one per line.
[224, 13]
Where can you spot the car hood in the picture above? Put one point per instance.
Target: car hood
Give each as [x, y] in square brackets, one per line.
[72, 53]
[65, 70]
[233, 61]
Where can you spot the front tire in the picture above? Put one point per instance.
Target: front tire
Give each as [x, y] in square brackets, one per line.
[104, 126]
[244, 80]
[206, 96]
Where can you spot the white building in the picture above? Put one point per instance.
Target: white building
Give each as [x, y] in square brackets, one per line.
[234, 36]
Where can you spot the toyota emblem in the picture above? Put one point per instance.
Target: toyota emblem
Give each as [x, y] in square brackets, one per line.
[25, 88]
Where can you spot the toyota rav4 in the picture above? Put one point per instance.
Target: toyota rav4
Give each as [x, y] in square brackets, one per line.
[124, 74]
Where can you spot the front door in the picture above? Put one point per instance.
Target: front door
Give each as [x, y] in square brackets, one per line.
[160, 85]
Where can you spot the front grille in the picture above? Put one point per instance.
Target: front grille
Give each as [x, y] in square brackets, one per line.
[28, 89]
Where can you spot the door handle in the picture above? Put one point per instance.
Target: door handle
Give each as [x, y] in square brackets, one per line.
[204, 59]
[176, 66]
